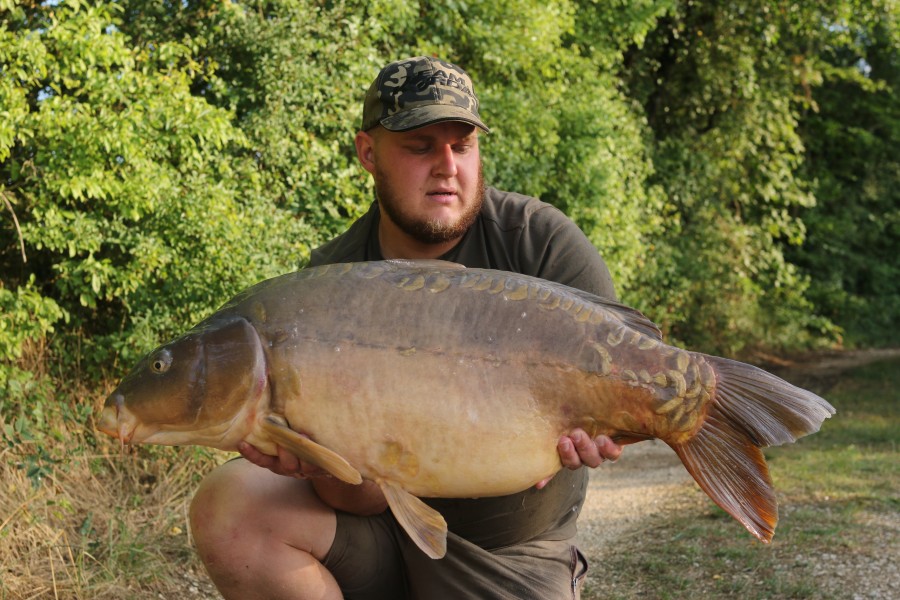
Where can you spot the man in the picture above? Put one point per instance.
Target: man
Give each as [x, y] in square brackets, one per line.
[265, 535]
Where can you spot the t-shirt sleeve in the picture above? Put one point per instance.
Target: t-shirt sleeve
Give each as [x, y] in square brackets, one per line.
[559, 251]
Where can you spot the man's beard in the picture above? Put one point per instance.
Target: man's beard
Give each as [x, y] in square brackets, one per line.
[427, 231]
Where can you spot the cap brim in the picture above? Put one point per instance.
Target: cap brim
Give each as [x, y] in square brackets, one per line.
[420, 116]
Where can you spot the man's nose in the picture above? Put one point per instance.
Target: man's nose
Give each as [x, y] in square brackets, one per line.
[445, 162]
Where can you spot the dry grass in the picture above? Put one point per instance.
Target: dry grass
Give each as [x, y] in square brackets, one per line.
[105, 526]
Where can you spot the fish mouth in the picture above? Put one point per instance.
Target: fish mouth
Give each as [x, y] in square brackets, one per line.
[116, 421]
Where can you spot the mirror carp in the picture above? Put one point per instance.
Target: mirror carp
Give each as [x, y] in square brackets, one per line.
[436, 380]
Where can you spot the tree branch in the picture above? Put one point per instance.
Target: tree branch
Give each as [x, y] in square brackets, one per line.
[16, 221]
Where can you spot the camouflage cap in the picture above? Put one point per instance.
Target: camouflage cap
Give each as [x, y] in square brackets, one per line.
[419, 91]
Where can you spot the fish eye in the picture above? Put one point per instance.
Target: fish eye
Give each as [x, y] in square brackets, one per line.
[161, 362]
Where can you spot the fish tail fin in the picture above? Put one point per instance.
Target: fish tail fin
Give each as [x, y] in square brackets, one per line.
[751, 409]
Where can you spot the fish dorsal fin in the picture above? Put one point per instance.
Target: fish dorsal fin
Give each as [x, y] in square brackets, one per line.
[424, 525]
[308, 450]
[424, 263]
[631, 317]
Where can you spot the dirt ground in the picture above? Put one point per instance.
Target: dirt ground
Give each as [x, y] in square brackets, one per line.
[649, 480]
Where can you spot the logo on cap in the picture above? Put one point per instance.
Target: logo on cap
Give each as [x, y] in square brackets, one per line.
[415, 92]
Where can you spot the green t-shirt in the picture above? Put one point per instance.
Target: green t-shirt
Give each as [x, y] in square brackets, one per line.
[523, 235]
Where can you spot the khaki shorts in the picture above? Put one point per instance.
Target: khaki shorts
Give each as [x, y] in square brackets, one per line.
[373, 559]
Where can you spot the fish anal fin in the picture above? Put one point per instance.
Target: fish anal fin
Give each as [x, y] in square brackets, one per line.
[308, 450]
[424, 525]
[732, 471]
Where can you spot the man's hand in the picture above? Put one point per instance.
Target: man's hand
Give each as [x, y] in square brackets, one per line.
[364, 499]
[284, 464]
[578, 449]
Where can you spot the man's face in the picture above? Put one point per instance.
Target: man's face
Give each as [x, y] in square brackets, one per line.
[428, 180]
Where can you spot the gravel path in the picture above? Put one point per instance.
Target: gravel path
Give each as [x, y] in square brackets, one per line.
[648, 479]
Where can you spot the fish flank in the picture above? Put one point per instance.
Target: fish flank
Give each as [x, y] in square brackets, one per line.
[498, 287]
[551, 303]
[438, 284]
[647, 344]
[484, 284]
[677, 381]
[605, 359]
[615, 337]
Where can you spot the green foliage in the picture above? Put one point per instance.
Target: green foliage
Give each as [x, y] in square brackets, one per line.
[719, 93]
[852, 135]
[295, 80]
[26, 318]
[293, 73]
[24, 315]
[125, 184]
[133, 211]
[157, 157]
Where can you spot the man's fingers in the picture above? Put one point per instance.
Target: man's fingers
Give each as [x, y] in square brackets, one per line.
[568, 455]
[543, 483]
[283, 464]
[587, 450]
[578, 449]
[255, 456]
[289, 464]
[607, 448]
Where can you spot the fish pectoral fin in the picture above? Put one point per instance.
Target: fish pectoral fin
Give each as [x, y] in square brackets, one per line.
[424, 525]
[308, 450]
[623, 438]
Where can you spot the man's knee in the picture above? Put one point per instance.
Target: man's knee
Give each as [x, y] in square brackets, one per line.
[240, 510]
[252, 529]
[218, 512]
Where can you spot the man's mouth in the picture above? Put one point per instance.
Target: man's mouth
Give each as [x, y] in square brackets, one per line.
[442, 195]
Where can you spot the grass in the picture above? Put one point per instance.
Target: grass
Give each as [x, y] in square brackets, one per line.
[85, 521]
[839, 492]
[89, 521]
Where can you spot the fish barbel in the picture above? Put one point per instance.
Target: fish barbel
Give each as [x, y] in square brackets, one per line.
[435, 380]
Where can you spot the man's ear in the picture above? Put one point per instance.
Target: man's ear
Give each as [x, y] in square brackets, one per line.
[365, 150]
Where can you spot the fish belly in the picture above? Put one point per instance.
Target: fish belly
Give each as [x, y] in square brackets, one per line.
[442, 426]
